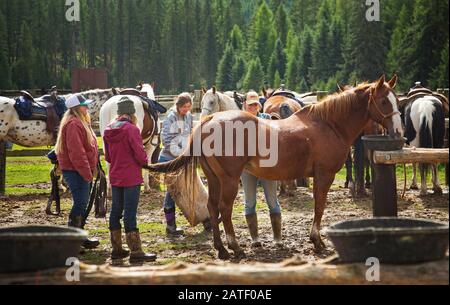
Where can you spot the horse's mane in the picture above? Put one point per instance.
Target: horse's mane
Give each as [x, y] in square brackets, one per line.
[337, 104]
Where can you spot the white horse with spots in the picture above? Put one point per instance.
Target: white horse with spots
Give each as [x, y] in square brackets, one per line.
[34, 133]
[108, 113]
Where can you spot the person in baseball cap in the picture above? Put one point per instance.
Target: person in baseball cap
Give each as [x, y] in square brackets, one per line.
[252, 103]
[77, 100]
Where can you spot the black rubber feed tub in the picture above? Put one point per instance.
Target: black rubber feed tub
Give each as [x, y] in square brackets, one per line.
[391, 240]
[33, 248]
[383, 143]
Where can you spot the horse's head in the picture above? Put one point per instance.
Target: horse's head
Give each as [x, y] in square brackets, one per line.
[383, 105]
[210, 102]
[147, 90]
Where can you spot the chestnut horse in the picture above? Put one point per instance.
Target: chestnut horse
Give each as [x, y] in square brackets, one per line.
[304, 141]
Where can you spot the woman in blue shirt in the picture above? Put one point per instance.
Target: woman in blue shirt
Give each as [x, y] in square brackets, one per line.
[250, 184]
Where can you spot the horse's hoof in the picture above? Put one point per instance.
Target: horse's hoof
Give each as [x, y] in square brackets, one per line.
[256, 244]
[437, 191]
[240, 254]
[319, 247]
[346, 185]
[414, 187]
[224, 255]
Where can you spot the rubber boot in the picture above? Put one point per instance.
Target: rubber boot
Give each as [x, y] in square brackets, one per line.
[89, 243]
[276, 228]
[137, 255]
[171, 228]
[252, 222]
[116, 241]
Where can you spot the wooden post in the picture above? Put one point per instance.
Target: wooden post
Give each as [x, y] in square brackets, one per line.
[198, 95]
[2, 168]
[384, 194]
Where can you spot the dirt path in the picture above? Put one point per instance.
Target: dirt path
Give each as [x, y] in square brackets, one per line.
[196, 246]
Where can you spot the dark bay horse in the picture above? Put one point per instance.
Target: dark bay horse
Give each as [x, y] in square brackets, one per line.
[304, 143]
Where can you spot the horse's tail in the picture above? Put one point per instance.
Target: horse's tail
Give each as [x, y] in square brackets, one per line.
[183, 160]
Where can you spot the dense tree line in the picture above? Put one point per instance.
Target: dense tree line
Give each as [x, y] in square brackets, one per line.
[235, 44]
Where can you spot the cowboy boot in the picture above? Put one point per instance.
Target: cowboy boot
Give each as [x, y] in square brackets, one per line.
[77, 222]
[116, 241]
[252, 222]
[276, 228]
[171, 228]
[138, 256]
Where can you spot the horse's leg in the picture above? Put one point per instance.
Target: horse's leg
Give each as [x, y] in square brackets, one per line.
[436, 185]
[349, 170]
[414, 179]
[149, 149]
[229, 191]
[322, 184]
[213, 208]
[108, 182]
[359, 168]
[423, 179]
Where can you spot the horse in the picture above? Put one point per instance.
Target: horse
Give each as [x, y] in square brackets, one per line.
[214, 101]
[145, 122]
[34, 133]
[361, 159]
[425, 128]
[303, 141]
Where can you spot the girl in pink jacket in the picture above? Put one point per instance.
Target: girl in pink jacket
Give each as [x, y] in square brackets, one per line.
[125, 152]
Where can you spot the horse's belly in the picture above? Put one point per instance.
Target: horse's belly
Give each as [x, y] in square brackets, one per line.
[30, 134]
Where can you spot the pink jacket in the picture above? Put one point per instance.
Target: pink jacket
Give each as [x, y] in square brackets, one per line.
[78, 155]
[126, 154]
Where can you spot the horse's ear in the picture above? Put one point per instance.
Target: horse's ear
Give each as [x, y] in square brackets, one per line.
[264, 91]
[381, 82]
[341, 88]
[204, 90]
[214, 89]
[153, 85]
[114, 91]
[393, 82]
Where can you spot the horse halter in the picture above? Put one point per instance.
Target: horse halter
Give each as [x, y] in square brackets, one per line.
[381, 116]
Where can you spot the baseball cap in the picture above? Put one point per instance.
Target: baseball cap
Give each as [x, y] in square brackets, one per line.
[252, 98]
[77, 100]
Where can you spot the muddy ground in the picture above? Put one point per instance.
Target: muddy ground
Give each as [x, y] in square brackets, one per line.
[196, 246]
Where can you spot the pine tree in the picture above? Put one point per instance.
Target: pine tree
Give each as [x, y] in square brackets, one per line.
[254, 79]
[305, 60]
[22, 71]
[263, 35]
[238, 72]
[277, 63]
[282, 23]
[224, 78]
[364, 48]
[439, 77]
[5, 74]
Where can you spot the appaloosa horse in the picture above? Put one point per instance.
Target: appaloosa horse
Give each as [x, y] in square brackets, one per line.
[34, 133]
[304, 142]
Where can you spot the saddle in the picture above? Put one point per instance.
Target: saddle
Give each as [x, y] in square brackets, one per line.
[418, 91]
[289, 94]
[48, 108]
[151, 107]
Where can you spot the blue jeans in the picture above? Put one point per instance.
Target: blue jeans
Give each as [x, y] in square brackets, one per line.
[250, 184]
[125, 201]
[80, 192]
[169, 203]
